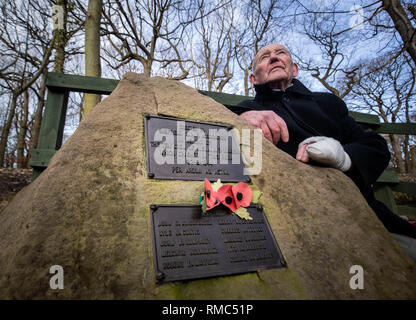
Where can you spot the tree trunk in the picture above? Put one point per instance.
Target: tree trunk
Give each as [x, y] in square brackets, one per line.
[246, 82]
[6, 129]
[37, 121]
[92, 49]
[406, 151]
[223, 82]
[403, 25]
[395, 143]
[147, 68]
[413, 159]
[21, 138]
[61, 39]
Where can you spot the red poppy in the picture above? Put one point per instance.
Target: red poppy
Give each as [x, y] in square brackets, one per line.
[242, 194]
[211, 197]
[225, 195]
[232, 197]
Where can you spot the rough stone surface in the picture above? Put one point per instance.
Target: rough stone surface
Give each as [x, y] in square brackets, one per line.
[89, 212]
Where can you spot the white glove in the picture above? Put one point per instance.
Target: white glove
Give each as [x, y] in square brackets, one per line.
[328, 151]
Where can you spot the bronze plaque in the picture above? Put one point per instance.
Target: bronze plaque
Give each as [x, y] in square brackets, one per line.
[178, 149]
[189, 244]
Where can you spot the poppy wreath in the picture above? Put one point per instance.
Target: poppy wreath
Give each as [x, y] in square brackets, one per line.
[232, 197]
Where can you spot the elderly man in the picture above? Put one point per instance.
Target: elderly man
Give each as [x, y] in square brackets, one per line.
[315, 127]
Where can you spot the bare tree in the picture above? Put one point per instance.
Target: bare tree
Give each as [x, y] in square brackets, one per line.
[134, 29]
[39, 90]
[214, 52]
[92, 49]
[330, 57]
[23, 66]
[402, 23]
[390, 93]
[23, 127]
[27, 44]
[379, 19]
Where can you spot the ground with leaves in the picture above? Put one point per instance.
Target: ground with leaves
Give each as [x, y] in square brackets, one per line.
[405, 199]
[11, 182]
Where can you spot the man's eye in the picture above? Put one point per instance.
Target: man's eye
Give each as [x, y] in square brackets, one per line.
[264, 57]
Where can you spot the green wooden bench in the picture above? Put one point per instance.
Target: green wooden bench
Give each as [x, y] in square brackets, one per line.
[59, 86]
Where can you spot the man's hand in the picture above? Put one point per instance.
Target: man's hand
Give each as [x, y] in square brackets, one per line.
[273, 127]
[324, 150]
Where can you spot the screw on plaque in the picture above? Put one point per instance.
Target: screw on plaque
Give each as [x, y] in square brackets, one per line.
[260, 207]
[160, 276]
[153, 207]
[147, 116]
[283, 263]
[248, 179]
[151, 175]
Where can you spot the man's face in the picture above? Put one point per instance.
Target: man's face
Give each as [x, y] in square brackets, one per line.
[273, 64]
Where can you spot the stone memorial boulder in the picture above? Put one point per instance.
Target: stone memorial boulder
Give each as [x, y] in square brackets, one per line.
[89, 212]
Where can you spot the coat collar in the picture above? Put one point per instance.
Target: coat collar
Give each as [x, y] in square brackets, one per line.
[296, 87]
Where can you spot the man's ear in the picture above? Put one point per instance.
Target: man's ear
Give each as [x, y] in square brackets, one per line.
[252, 78]
[295, 70]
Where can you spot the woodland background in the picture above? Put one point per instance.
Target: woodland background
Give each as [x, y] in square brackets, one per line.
[362, 51]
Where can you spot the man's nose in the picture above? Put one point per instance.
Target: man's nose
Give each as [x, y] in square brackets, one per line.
[273, 57]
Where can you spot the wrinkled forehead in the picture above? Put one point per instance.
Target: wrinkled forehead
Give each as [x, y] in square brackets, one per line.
[271, 48]
[268, 49]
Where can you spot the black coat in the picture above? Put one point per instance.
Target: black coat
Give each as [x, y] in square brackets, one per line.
[310, 114]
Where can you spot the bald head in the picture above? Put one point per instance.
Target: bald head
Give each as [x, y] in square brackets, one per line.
[273, 64]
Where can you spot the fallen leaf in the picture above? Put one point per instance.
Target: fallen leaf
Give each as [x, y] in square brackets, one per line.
[202, 202]
[256, 196]
[243, 213]
[216, 185]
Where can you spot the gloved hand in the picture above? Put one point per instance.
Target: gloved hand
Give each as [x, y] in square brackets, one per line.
[324, 150]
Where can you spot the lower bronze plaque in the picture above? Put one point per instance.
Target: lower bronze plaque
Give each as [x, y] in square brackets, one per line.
[189, 244]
